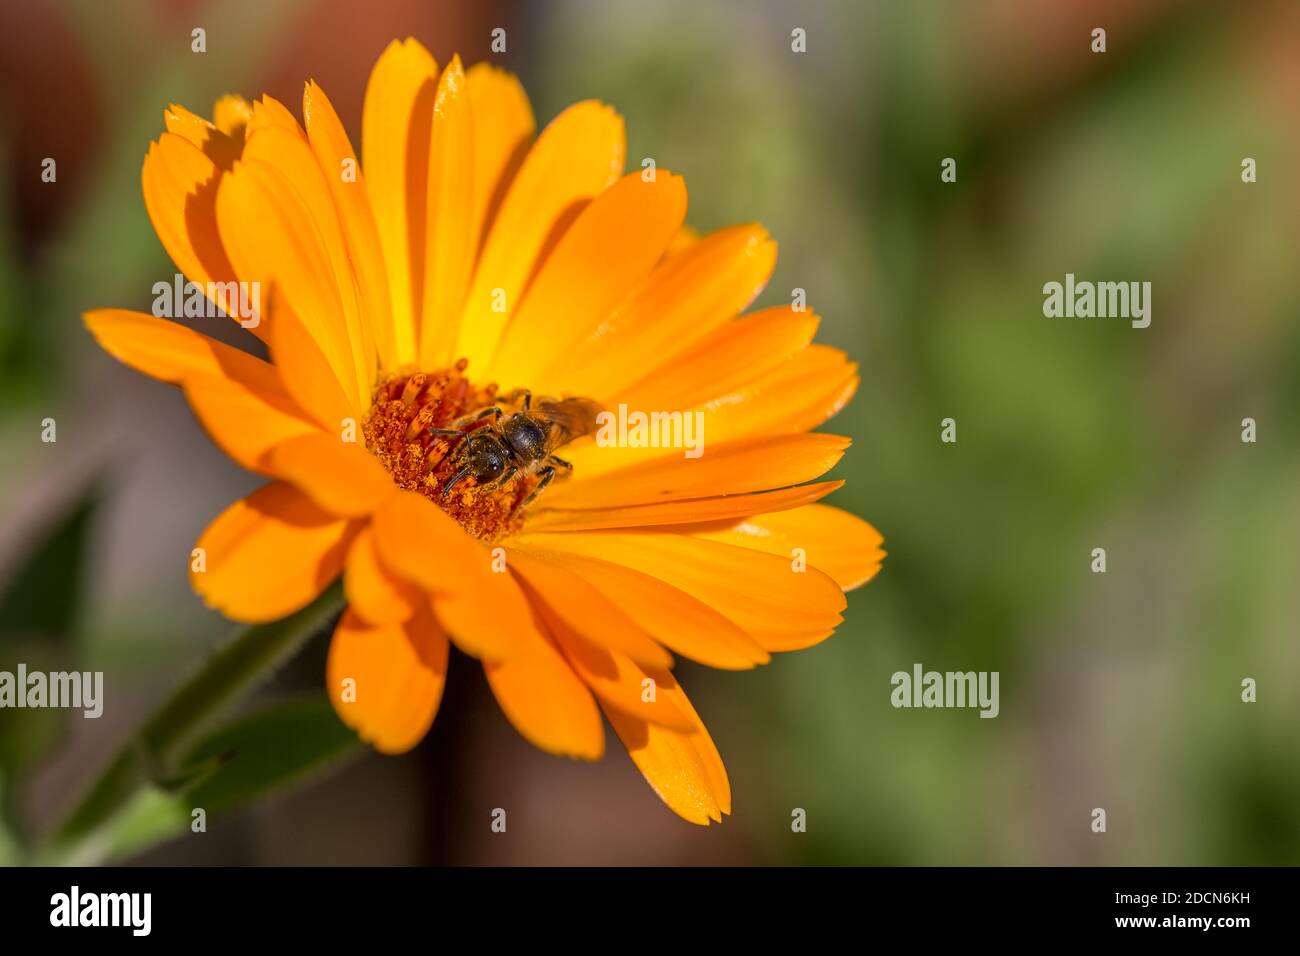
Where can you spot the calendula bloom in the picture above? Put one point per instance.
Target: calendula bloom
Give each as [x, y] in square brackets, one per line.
[469, 265]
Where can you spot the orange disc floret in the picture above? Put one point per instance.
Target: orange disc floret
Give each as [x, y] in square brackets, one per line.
[397, 432]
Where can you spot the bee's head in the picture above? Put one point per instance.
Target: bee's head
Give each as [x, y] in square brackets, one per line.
[485, 457]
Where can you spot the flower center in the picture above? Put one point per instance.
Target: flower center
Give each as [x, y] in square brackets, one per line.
[413, 427]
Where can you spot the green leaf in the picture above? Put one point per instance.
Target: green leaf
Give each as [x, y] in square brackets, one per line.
[44, 597]
[28, 734]
[38, 611]
[265, 752]
[162, 752]
[269, 749]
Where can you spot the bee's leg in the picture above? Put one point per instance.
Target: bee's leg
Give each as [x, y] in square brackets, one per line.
[493, 412]
[446, 489]
[559, 462]
[504, 480]
[546, 474]
[518, 394]
[447, 433]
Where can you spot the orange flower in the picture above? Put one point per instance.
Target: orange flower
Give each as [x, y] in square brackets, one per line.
[473, 261]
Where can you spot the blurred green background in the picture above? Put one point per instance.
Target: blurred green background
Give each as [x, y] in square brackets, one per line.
[1118, 690]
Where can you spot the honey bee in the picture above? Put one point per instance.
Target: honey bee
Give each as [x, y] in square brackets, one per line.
[494, 448]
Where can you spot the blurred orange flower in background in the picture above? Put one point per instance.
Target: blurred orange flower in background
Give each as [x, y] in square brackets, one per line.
[471, 266]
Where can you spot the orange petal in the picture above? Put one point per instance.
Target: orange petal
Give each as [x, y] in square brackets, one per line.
[450, 241]
[269, 554]
[395, 149]
[372, 591]
[217, 144]
[302, 186]
[578, 154]
[684, 769]
[733, 355]
[542, 696]
[775, 599]
[672, 617]
[585, 610]
[245, 422]
[800, 394]
[834, 541]
[272, 238]
[169, 351]
[503, 130]
[179, 182]
[230, 114]
[484, 610]
[386, 682]
[685, 298]
[689, 511]
[611, 246]
[306, 373]
[339, 476]
[419, 541]
[329, 141]
[686, 237]
[737, 467]
[270, 113]
[616, 680]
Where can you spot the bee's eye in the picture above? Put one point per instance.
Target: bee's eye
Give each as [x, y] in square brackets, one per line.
[486, 457]
[489, 464]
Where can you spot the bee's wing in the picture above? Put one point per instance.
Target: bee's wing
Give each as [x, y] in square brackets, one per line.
[571, 417]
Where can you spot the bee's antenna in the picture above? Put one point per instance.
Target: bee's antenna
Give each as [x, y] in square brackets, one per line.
[454, 479]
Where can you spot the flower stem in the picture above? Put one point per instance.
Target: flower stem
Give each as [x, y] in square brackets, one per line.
[151, 756]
